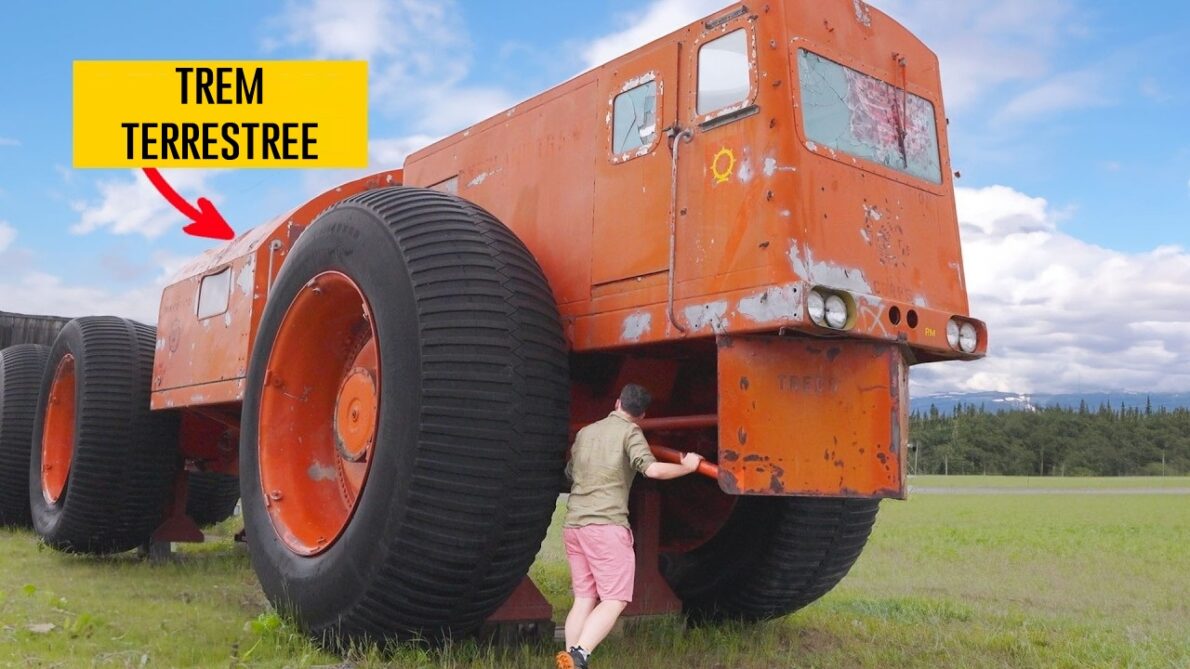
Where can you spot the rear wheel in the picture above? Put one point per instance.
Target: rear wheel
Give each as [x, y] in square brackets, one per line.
[211, 497]
[404, 419]
[774, 556]
[21, 369]
[102, 464]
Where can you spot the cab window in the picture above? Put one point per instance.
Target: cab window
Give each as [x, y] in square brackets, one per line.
[634, 118]
[723, 73]
[868, 118]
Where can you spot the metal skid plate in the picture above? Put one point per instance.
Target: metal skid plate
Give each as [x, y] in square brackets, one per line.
[812, 417]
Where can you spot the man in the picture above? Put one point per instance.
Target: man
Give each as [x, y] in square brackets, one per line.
[606, 456]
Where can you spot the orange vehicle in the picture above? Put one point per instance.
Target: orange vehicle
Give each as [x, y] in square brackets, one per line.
[753, 216]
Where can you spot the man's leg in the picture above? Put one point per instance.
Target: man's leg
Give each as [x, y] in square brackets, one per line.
[598, 625]
[575, 620]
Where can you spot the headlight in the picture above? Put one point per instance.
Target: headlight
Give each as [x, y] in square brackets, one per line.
[952, 333]
[830, 308]
[816, 306]
[836, 312]
[968, 338]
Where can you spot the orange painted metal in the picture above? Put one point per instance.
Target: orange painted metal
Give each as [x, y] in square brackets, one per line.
[818, 418]
[57, 439]
[203, 361]
[318, 413]
[754, 212]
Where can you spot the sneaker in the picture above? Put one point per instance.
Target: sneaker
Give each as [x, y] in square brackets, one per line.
[570, 659]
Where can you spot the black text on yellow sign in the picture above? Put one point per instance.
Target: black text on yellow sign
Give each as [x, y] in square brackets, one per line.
[220, 114]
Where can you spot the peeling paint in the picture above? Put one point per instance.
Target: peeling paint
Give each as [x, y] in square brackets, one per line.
[812, 146]
[861, 12]
[872, 213]
[771, 167]
[779, 303]
[712, 315]
[227, 319]
[479, 179]
[244, 280]
[636, 326]
[796, 262]
[920, 301]
[638, 81]
[745, 171]
[836, 276]
[321, 472]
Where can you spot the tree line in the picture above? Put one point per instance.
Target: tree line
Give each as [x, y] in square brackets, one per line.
[1051, 441]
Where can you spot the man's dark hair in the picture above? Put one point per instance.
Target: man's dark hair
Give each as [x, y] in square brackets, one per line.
[635, 399]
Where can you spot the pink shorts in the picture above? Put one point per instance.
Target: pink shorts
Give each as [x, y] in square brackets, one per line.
[602, 562]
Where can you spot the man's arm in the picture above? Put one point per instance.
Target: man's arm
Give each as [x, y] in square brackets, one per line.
[666, 470]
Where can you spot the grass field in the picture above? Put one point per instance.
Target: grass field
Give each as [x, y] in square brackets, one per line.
[946, 581]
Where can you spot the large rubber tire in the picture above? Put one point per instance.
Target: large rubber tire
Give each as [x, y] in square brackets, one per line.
[21, 369]
[211, 497]
[124, 456]
[775, 556]
[471, 427]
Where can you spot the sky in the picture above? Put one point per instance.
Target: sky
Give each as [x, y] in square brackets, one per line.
[1068, 125]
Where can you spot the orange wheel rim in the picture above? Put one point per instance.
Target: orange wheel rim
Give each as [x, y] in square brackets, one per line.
[57, 439]
[319, 413]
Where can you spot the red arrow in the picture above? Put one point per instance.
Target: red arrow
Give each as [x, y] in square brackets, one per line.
[208, 222]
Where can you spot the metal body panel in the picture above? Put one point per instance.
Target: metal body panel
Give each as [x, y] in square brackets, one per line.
[812, 418]
[204, 361]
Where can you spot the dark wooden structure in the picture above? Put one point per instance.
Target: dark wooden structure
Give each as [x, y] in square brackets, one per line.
[23, 329]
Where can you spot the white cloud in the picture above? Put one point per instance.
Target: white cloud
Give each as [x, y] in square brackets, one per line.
[418, 53]
[43, 293]
[1072, 90]
[8, 234]
[639, 28]
[1064, 314]
[134, 205]
[8, 141]
[984, 46]
[390, 152]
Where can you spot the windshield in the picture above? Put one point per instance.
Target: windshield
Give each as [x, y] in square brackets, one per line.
[865, 117]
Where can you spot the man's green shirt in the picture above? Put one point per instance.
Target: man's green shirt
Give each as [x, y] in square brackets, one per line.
[603, 461]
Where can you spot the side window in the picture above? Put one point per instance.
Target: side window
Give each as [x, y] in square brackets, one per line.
[723, 74]
[634, 118]
[214, 293]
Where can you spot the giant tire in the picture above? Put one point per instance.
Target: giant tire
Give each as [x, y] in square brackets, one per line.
[122, 456]
[211, 497]
[775, 556]
[470, 427]
[21, 369]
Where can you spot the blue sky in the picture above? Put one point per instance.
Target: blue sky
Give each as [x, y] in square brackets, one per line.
[1068, 124]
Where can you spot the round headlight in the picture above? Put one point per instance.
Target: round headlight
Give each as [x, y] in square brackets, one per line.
[816, 306]
[836, 312]
[968, 338]
[952, 333]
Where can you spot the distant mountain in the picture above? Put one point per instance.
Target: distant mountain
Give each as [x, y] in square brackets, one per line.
[998, 402]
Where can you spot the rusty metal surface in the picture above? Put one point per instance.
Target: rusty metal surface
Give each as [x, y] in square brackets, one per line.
[762, 214]
[804, 417]
[203, 361]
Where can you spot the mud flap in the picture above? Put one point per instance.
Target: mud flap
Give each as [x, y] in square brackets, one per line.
[812, 418]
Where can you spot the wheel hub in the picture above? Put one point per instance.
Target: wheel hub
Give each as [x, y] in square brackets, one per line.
[57, 440]
[355, 415]
[319, 413]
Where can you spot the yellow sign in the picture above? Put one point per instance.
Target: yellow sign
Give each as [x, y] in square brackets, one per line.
[220, 113]
[722, 165]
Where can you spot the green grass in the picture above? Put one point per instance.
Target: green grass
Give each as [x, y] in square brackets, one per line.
[1064, 482]
[947, 580]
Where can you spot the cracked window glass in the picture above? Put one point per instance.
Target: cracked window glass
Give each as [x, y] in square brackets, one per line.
[634, 123]
[723, 78]
[868, 118]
